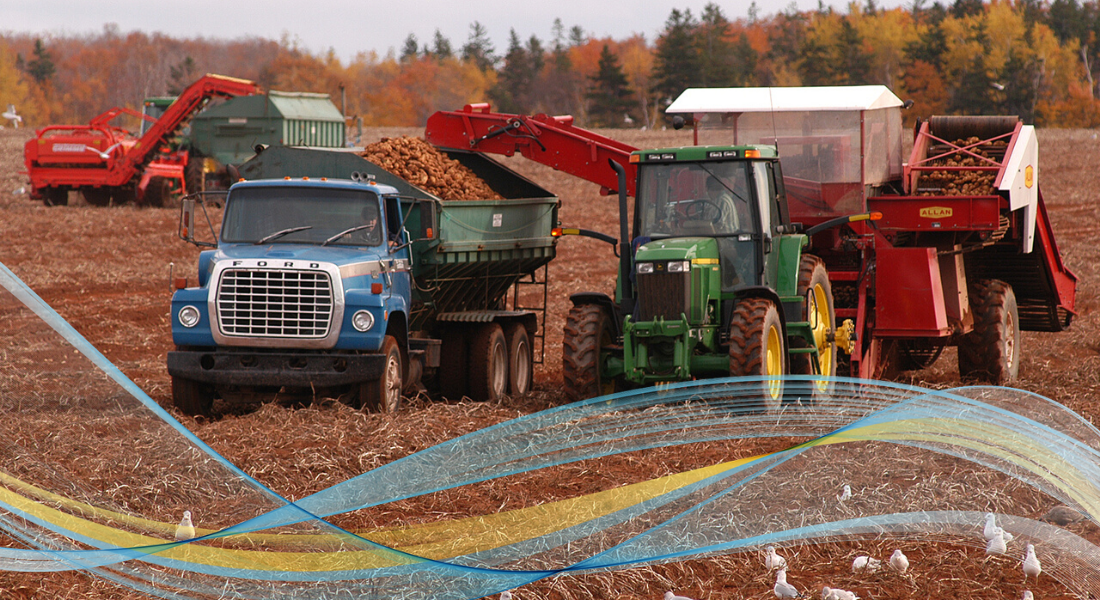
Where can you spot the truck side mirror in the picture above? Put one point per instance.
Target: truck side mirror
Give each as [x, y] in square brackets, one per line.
[187, 220]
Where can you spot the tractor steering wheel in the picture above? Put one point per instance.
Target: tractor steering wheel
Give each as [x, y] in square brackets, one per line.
[695, 209]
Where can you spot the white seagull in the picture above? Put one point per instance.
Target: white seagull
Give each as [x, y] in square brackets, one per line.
[782, 589]
[990, 526]
[506, 595]
[845, 494]
[828, 593]
[997, 544]
[866, 563]
[1028, 595]
[11, 115]
[773, 561]
[1031, 563]
[899, 562]
[671, 596]
[186, 529]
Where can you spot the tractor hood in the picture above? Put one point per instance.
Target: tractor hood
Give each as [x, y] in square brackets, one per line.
[679, 248]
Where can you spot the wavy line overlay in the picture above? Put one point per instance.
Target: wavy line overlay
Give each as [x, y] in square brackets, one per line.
[924, 464]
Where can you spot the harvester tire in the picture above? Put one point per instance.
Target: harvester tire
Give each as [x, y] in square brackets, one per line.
[819, 311]
[157, 192]
[192, 397]
[588, 329]
[55, 196]
[488, 363]
[520, 359]
[991, 352]
[100, 196]
[384, 394]
[758, 348]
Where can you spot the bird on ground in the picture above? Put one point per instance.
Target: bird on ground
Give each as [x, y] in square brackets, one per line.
[1062, 515]
[866, 563]
[186, 529]
[997, 544]
[506, 595]
[1031, 563]
[845, 493]
[990, 526]
[782, 589]
[899, 562]
[671, 596]
[773, 561]
[828, 593]
[1028, 595]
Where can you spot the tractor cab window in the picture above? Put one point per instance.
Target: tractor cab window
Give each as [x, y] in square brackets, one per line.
[303, 215]
[705, 199]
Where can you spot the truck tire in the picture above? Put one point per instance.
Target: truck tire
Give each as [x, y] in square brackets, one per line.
[192, 397]
[488, 363]
[991, 352]
[588, 329]
[452, 372]
[384, 394]
[520, 360]
[757, 347]
[55, 196]
[819, 311]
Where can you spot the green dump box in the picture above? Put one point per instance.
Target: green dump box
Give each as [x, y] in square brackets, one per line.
[471, 253]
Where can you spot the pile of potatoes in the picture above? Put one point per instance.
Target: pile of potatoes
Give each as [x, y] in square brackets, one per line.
[421, 164]
[962, 183]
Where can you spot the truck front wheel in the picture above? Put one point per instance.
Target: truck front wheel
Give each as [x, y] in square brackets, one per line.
[588, 329]
[991, 352]
[488, 363]
[191, 397]
[384, 394]
[757, 347]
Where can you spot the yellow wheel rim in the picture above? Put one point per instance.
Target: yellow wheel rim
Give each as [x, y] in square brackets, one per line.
[821, 324]
[774, 362]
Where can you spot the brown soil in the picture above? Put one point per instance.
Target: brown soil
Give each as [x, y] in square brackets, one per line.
[107, 271]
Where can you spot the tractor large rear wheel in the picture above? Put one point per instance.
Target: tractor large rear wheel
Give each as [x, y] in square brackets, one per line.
[991, 352]
[193, 174]
[818, 311]
[757, 347]
[588, 329]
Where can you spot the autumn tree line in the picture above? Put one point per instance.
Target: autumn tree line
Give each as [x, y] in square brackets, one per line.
[1037, 59]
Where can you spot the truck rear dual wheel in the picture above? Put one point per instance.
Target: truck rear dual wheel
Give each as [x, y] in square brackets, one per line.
[758, 348]
[991, 352]
[488, 360]
[521, 364]
[588, 329]
[384, 394]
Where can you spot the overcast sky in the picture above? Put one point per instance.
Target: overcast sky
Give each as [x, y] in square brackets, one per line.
[351, 26]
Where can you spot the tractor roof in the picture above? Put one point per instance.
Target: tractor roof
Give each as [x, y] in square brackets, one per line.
[784, 99]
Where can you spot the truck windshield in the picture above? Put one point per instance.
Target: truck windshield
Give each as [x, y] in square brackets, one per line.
[694, 199]
[318, 214]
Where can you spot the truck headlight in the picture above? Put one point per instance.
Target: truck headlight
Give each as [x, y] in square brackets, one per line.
[362, 320]
[679, 266]
[644, 268]
[189, 316]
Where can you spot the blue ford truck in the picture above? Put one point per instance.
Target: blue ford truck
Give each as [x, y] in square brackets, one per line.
[330, 277]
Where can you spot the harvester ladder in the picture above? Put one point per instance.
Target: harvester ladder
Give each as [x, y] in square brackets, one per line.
[532, 279]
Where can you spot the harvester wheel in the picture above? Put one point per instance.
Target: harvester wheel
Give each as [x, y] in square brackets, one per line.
[588, 329]
[55, 196]
[488, 363]
[520, 360]
[991, 352]
[818, 311]
[757, 346]
[100, 196]
[452, 372]
[157, 192]
[192, 397]
[384, 394]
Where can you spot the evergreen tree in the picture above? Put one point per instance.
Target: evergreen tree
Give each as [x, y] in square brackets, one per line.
[441, 46]
[560, 83]
[515, 78]
[181, 75]
[479, 49]
[716, 51]
[411, 50]
[609, 95]
[676, 65]
[41, 67]
[815, 63]
[966, 8]
[854, 67]
[745, 59]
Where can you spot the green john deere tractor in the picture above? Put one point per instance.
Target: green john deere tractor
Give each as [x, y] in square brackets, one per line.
[714, 283]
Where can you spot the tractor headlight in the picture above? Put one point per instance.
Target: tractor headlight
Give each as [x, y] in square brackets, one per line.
[362, 320]
[679, 266]
[189, 316]
[644, 268]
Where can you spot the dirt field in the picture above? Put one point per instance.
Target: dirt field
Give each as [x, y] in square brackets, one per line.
[107, 271]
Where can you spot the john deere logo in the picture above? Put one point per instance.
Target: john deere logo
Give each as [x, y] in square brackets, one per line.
[1029, 176]
[935, 212]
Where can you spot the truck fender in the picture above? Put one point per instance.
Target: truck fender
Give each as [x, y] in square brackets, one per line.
[603, 300]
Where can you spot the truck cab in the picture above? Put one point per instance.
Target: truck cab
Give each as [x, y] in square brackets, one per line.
[305, 290]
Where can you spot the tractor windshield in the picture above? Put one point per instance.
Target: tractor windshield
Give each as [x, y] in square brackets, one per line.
[301, 215]
[699, 199]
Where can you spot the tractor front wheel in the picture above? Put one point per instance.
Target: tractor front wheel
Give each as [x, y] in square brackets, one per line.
[991, 352]
[757, 347]
[588, 329]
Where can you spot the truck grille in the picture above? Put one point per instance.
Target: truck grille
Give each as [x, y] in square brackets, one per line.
[275, 303]
[662, 295]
